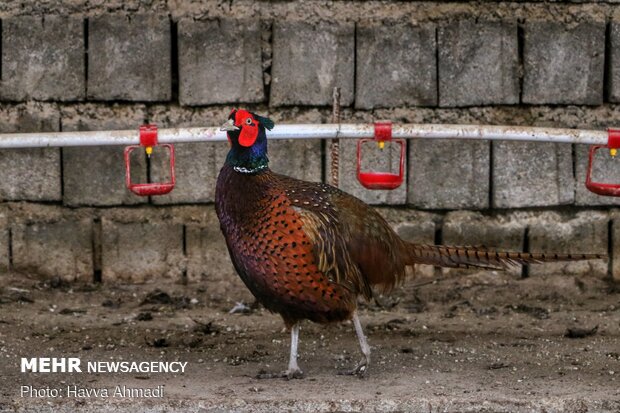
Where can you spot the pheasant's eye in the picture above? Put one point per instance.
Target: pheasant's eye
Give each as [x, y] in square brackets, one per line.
[248, 121]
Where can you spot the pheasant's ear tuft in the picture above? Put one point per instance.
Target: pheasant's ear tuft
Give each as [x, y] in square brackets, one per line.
[266, 122]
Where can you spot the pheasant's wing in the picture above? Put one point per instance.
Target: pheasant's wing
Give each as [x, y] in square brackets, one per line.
[353, 245]
[331, 250]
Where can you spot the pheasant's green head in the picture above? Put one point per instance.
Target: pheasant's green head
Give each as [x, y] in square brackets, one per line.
[248, 140]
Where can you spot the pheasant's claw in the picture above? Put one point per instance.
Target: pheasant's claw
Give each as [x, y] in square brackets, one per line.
[294, 374]
[360, 370]
[288, 374]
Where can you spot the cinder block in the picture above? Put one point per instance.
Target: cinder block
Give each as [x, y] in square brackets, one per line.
[42, 58]
[587, 233]
[478, 63]
[140, 251]
[96, 176]
[527, 174]
[411, 225]
[449, 174]
[396, 65]
[4, 241]
[220, 62]
[299, 159]
[562, 64]
[197, 165]
[605, 169]
[55, 249]
[464, 228]
[196, 172]
[613, 83]
[417, 232]
[373, 159]
[309, 60]
[29, 174]
[208, 262]
[615, 242]
[129, 58]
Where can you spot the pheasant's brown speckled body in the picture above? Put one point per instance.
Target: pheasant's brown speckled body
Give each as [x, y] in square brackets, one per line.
[308, 250]
[297, 252]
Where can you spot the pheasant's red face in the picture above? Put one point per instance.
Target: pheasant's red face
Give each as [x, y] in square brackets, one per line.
[248, 126]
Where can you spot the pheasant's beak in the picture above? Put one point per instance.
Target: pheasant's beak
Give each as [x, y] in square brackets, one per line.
[229, 126]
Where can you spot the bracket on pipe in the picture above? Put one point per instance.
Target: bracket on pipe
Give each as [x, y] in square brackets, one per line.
[381, 180]
[600, 188]
[148, 139]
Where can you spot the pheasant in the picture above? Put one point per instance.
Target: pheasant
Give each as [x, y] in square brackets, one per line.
[308, 250]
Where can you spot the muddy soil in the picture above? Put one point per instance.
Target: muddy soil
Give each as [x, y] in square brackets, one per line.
[477, 342]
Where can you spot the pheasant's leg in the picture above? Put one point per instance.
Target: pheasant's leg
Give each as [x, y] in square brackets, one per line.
[294, 372]
[362, 366]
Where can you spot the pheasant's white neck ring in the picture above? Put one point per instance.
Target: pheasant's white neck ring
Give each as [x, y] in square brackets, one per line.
[244, 170]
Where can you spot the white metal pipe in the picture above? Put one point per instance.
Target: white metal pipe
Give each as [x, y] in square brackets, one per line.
[308, 131]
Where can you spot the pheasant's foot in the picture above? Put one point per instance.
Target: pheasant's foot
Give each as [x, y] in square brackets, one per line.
[360, 370]
[289, 374]
[293, 374]
[240, 307]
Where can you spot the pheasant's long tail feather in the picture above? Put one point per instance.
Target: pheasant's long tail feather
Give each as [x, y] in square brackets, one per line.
[475, 257]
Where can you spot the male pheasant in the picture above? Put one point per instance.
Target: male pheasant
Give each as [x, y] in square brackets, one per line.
[307, 250]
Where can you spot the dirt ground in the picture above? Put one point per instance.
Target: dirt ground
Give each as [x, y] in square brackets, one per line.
[478, 342]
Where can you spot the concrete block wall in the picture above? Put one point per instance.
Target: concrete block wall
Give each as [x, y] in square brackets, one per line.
[72, 66]
[220, 61]
[465, 48]
[396, 65]
[129, 58]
